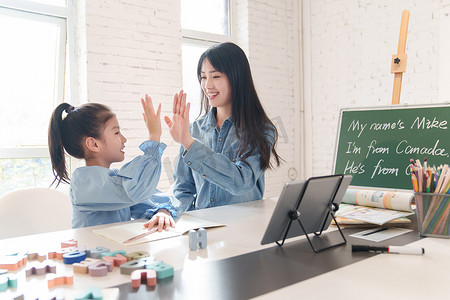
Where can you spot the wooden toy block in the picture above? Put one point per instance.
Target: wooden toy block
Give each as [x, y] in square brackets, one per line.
[114, 253]
[116, 261]
[162, 269]
[8, 281]
[92, 293]
[12, 263]
[37, 256]
[97, 252]
[40, 268]
[56, 280]
[133, 265]
[100, 268]
[193, 240]
[137, 255]
[74, 257]
[69, 243]
[202, 238]
[143, 276]
[197, 239]
[82, 266]
[59, 253]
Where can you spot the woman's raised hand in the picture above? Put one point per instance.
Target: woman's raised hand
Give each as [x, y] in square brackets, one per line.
[152, 120]
[179, 127]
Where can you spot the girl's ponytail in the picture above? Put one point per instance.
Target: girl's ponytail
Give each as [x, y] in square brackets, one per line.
[55, 144]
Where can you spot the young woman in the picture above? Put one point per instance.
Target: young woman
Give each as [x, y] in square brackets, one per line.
[223, 154]
[99, 194]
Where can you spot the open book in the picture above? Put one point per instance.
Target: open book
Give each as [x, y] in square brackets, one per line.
[121, 233]
[374, 207]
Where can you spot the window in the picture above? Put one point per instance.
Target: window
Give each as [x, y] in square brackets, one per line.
[204, 23]
[32, 75]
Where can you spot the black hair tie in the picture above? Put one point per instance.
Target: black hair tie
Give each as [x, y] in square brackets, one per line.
[69, 109]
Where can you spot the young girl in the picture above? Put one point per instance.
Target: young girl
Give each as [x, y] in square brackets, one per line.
[100, 195]
[225, 153]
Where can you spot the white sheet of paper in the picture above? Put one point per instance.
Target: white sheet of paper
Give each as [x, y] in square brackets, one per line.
[375, 235]
[121, 233]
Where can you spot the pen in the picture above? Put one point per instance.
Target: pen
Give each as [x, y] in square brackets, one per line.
[389, 249]
[375, 231]
[141, 235]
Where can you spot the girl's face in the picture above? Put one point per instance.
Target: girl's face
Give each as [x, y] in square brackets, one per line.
[112, 143]
[216, 86]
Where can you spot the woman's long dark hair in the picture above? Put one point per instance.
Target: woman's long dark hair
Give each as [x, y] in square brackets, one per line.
[69, 133]
[248, 115]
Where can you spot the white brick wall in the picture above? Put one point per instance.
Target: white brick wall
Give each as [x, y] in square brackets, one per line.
[134, 47]
[351, 44]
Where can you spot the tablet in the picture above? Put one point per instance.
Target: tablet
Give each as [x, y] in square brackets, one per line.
[312, 199]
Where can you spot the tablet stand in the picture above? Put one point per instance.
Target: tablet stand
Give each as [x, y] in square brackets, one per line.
[295, 215]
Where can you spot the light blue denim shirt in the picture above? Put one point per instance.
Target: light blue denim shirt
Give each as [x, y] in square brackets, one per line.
[210, 174]
[100, 195]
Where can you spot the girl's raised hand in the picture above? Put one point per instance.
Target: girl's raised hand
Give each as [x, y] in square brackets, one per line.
[179, 127]
[152, 120]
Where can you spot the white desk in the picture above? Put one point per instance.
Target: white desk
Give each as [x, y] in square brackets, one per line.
[411, 277]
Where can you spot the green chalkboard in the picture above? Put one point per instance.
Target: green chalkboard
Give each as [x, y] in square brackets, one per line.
[376, 145]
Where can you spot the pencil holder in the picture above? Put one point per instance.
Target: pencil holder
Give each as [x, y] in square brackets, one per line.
[433, 214]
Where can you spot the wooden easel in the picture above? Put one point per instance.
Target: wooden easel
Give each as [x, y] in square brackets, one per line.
[398, 63]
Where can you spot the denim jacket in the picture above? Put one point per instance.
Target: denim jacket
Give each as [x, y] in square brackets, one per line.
[210, 174]
[100, 195]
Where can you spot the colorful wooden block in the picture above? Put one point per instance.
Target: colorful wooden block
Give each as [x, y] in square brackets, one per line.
[8, 281]
[69, 243]
[197, 239]
[114, 253]
[116, 261]
[92, 293]
[133, 265]
[12, 263]
[82, 266]
[137, 255]
[162, 269]
[37, 256]
[74, 257]
[40, 268]
[59, 253]
[143, 276]
[100, 268]
[56, 280]
[97, 252]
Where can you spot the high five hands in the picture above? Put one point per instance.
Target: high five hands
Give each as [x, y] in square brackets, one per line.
[179, 126]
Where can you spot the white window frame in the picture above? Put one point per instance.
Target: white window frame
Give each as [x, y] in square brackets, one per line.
[52, 14]
[201, 38]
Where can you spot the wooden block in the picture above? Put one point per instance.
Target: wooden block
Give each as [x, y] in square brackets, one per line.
[114, 253]
[74, 257]
[143, 276]
[133, 265]
[202, 238]
[59, 253]
[56, 280]
[12, 263]
[40, 268]
[96, 252]
[100, 268]
[162, 269]
[116, 261]
[37, 256]
[69, 243]
[137, 255]
[8, 281]
[92, 293]
[82, 266]
[193, 240]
